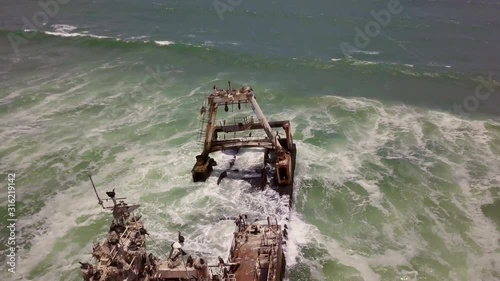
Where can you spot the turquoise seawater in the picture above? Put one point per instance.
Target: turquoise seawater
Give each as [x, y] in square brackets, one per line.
[398, 139]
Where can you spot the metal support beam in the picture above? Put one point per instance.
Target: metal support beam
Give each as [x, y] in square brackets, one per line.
[288, 133]
[212, 114]
[262, 118]
[254, 126]
[220, 145]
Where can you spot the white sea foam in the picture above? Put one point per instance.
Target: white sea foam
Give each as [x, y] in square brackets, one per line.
[208, 43]
[139, 37]
[366, 52]
[63, 27]
[437, 64]
[407, 120]
[63, 30]
[371, 139]
[74, 34]
[362, 62]
[164, 43]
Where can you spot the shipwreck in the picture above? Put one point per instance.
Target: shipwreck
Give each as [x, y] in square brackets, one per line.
[278, 165]
[256, 252]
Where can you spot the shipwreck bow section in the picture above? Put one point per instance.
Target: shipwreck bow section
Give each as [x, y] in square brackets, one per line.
[256, 252]
[123, 255]
[279, 152]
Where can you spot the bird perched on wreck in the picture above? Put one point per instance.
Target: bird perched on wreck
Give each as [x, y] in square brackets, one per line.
[143, 231]
[181, 238]
[85, 265]
[111, 194]
[189, 261]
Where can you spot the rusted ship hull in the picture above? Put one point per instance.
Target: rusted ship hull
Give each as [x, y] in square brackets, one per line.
[279, 152]
[123, 255]
[288, 188]
[257, 253]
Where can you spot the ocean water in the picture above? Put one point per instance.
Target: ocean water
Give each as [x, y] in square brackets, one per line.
[398, 134]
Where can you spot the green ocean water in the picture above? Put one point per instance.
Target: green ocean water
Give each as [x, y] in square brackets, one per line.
[392, 182]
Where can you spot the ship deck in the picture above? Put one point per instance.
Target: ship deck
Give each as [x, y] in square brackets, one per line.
[258, 251]
[164, 272]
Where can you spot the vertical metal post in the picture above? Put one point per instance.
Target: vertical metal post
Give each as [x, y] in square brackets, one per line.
[212, 113]
[99, 201]
[288, 133]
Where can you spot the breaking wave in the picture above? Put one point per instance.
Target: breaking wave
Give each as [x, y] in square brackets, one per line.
[85, 39]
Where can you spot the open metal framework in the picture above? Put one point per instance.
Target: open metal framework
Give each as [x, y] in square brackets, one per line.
[278, 151]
